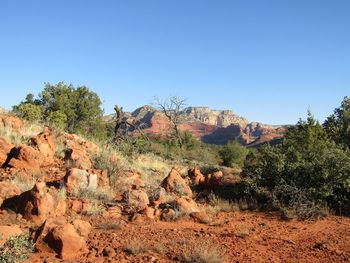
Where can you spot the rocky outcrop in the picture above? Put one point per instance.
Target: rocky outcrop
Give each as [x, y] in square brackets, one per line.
[174, 183]
[37, 204]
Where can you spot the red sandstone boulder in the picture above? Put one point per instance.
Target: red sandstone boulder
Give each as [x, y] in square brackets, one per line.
[137, 200]
[176, 184]
[69, 239]
[187, 205]
[196, 176]
[214, 178]
[77, 178]
[44, 142]
[25, 158]
[37, 204]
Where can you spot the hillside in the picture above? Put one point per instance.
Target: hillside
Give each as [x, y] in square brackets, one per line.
[210, 126]
[83, 202]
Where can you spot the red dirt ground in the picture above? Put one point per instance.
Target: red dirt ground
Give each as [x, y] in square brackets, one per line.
[241, 237]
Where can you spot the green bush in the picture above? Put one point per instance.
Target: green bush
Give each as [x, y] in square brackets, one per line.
[76, 109]
[30, 112]
[233, 154]
[57, 119]
[15, 249]
[306, 173]
[338, 124]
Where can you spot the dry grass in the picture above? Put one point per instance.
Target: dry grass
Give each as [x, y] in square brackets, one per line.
[17, 138]
[222, 205]
[94, 209]
[202, 253]
[99, 194]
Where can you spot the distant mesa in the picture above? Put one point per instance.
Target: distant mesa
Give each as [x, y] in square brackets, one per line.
[208, 125]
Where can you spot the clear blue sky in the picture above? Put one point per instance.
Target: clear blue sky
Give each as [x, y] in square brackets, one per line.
[266, 60]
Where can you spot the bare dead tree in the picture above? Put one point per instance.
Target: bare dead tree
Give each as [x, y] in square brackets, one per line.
[118, 123]
[172, 108]
[122, 127]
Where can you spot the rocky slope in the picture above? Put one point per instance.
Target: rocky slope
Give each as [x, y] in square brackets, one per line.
[208, 125]
[81, 202]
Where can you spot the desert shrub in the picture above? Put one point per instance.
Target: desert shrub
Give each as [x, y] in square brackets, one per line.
[137, 246]
[202, 253]
[57, 119]
[338, 124]
[77, 109]
[233, 154]
[98, 194]
[29, 111]
[222, 205]
[16, 248]
[306, 173]
[94, 209]
[108, 159]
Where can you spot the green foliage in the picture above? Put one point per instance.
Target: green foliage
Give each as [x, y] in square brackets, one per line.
[15, 249]
[28, 111]
[77, 110]
[233, 154]
[338, 124]
[305, 173]
[192, 149]
[57, 119]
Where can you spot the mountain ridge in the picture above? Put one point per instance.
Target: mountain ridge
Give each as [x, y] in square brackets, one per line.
[209, 125]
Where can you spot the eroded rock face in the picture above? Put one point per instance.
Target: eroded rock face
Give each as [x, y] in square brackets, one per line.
[8, 190]
[211, 126]
[7, 231]
[44, 142]
[25, 157]
[176, 184]
[37, 204]
[69, 239]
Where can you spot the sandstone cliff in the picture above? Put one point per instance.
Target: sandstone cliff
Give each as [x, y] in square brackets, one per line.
[208, 125]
